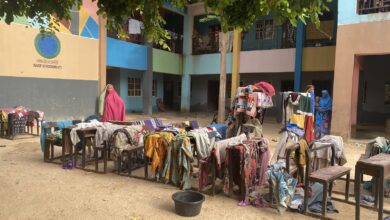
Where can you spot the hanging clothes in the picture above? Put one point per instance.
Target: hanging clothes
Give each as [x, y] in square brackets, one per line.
[299, 120]
[305, 106]
[156, 145]
[135, 26]
[309, 130]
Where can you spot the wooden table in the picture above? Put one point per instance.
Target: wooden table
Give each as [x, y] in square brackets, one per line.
[377, 166]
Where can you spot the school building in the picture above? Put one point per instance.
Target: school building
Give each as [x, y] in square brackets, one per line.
[63, 74]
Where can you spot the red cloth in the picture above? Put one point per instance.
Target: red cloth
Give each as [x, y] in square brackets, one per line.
[265, 87]
[309, 131]
[114, 107]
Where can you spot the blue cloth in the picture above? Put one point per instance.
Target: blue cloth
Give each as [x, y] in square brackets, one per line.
[315, 201]
[59, 125]
[92, 117]
[325, 102]
[313, 102]
[295, 129]
[221, 128]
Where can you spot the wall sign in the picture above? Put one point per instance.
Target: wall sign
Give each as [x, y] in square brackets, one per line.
[47, 45]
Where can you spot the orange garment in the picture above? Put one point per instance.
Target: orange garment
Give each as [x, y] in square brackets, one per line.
[155, 148]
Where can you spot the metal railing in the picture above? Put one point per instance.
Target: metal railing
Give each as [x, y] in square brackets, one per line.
[372, 6]
[284, 36]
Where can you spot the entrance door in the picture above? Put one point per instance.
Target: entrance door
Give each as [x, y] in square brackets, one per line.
[168, 94]
[321, 85]
[212, 95]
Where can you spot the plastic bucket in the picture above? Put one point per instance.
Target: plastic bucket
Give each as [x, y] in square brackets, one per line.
[188, 203]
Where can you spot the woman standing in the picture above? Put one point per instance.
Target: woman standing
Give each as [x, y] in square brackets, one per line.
[114, 107]
[323, 115]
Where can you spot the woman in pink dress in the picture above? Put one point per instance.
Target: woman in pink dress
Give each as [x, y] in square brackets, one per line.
[114, 107]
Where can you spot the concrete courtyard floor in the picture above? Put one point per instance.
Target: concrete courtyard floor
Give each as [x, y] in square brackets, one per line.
[32, 189]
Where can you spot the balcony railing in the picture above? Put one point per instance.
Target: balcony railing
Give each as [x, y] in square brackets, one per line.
[373, 6]
[282, 37]
[175, 43]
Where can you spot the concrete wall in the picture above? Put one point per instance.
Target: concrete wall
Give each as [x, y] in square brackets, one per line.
[167, 62]
[209, 64]
[134, 104]
[318, 58]
[282, 60]
[64, 87]
[348, 14]
[353, 41]
[376, 73]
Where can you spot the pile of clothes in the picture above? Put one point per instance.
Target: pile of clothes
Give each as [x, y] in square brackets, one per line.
[20, 116]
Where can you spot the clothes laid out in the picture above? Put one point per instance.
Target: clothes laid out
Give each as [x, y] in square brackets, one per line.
[216, 158]
[249, 101]
[220, 128]
[315, 201]
[177, 166]
[156, 145]
[104, 132]
[203, 142]
[248, 162]
[135, 26]
[59, 126]
[324, 155]
[73, 133]
[282, 183]
[299, 120]
[127, 138]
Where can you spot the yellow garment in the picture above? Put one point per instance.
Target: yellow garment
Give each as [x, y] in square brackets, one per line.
[155, 148]
[299, 120]
[301, 160]
[4, 119]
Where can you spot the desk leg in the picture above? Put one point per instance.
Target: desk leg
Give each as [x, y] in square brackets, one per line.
[105, 158]
[347, 187]
[96, 155]
[324, 199]
[357, 192]
[84, 149]
[381, 195]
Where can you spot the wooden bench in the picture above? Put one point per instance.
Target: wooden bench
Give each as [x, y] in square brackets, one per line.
[326, 176]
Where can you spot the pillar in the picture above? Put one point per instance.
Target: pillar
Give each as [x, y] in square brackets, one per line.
[102, 53]
[147, 81]
[187, 67]
[298, 55]
[236, 63]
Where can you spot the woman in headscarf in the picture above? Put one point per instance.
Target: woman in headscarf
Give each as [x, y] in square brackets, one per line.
[323, 115]
[114, 107]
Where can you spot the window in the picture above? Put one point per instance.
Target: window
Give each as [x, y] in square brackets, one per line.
[179, 88]
[373, 6]
[154, 88]
[134, 87]
[264, 29]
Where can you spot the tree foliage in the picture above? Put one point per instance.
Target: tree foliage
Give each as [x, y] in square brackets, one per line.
[232, 13]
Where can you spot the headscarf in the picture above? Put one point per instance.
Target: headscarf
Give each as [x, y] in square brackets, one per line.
[102, 97]
[325, 102]
[114, 107]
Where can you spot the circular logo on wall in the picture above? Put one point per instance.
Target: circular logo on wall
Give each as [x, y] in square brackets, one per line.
[47, 45]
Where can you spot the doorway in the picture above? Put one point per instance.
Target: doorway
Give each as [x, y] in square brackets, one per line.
[168, 93]
[212, 95]
[323, 85]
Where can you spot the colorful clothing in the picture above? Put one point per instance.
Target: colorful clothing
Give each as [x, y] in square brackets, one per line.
[156, 145]
[323, 115]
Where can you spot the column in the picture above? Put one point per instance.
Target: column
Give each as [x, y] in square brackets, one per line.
[187, 67]
[236, 63]
[102, 53]
[147, 81]
[298, 55]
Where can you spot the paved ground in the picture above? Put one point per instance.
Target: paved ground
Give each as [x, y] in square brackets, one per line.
[32, 189]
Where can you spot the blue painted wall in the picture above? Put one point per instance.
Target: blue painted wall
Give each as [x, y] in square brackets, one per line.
[126, 55]
[209, 64]
[348, 14]
[134, 103]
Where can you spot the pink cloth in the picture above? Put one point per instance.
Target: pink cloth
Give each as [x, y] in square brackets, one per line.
[264, 87]
[114, 107]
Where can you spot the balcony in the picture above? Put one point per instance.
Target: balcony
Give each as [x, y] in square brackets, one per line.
[175, 43]
[266, 36]
[372, 6]
[322, 36]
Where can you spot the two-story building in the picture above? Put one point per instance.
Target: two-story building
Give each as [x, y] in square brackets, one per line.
[361, 78]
